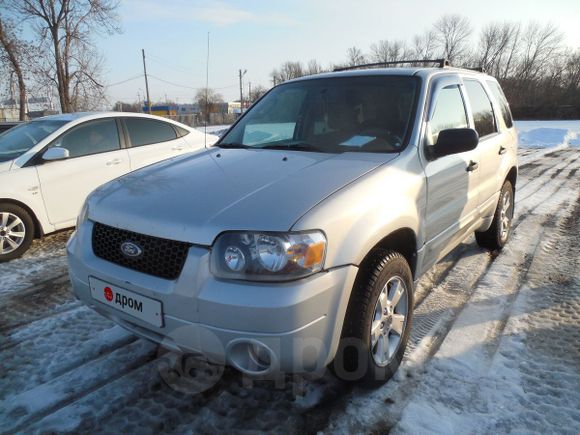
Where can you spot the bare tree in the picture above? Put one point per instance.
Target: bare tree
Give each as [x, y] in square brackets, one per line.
[288, 70]
[208, 100]
[389, 51]
[257, 92]
[313, 67]
[539, 45]
[452, 33]
[571, 76]
[12, 52]
[354, 56]
[424, 45]
[65, 28]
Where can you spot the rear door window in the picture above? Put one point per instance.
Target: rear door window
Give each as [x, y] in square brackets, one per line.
[149, 131]
[503, 103]
[482, 109]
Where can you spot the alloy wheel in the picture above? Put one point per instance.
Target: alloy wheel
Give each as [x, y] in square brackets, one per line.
[12, 232]
[389, 321]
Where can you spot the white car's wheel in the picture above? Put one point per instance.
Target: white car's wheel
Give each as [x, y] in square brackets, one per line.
[16, 231]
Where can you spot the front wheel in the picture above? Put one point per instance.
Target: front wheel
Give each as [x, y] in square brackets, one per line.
[16, 231]
[498, 233]
[378, 321]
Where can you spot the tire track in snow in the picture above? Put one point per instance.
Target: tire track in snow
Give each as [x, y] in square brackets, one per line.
[51, 347]
[524, 374]
[46, 299]
[537, 183]
[379, 410]
[31, 405]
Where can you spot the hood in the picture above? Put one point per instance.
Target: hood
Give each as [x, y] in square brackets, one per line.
[195, 198]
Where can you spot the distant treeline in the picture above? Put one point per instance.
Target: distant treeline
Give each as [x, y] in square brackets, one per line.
[538, 72]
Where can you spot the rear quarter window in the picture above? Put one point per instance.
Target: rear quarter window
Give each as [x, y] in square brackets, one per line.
[149, 131]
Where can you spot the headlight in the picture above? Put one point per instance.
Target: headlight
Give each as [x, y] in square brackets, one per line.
[84, 214]
[268, 256]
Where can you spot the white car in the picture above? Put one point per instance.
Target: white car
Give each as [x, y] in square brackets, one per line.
[48, 166]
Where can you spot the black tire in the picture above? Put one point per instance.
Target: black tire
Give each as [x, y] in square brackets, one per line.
[26, 226]
[355, 360]
[498, 233]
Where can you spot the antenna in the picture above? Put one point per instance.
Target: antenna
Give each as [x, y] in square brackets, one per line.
[206, 95]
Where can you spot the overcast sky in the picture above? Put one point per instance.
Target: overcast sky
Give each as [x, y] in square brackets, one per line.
[258, 35]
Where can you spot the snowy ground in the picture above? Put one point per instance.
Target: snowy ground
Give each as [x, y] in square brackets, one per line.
[495, 347]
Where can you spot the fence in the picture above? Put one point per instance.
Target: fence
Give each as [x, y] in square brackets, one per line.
[196, 120]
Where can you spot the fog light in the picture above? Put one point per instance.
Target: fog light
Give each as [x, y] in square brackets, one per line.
[259, 355]
[251, 357]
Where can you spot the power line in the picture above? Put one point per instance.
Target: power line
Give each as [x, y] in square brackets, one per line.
[185, 86]
[124, 81]
[168, 64]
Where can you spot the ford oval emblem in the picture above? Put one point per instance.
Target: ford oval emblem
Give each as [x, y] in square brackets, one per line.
[131, 250]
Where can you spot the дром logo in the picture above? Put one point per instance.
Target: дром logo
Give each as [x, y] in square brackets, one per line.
[108, 294]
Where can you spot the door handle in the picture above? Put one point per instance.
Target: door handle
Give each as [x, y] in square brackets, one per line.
[177, 148]
[113, 162]
[472, 166]
[502, 150]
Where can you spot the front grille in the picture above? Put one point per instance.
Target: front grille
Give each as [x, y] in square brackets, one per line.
[160, 257]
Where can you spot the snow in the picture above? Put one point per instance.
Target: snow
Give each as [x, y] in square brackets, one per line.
[537, 138]
[218, 130]
[493, 349]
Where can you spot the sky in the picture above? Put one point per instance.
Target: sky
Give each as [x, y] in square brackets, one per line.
[259, 35]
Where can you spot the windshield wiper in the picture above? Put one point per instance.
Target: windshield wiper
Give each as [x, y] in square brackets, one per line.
[302, 146]
[232, 145]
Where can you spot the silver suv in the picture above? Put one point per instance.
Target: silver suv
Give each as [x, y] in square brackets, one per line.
[295, 241]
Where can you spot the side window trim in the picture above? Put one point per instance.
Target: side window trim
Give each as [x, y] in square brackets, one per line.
[128, 135]
[123, 139]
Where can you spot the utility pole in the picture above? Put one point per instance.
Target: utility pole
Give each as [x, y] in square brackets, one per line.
[249, 93]
[242, 74]
[146, 82]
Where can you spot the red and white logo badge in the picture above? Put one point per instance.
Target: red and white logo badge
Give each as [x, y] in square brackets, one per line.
[108, 294]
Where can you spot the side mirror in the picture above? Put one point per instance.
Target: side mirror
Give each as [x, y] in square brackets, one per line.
[455, 141]
[56, 153]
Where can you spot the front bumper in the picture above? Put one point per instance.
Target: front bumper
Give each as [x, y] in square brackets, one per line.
[298, 323]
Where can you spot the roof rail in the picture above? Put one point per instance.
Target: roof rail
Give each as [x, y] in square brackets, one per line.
[442, 63]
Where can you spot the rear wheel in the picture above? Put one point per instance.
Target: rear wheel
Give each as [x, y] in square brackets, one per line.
[498, 233]
[16, 231]
[377, 323]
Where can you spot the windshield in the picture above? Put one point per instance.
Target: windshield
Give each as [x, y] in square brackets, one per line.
[333, 115]
[18, 140]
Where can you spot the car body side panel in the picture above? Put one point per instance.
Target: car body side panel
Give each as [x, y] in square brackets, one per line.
[22, 185]
[499, 155]
[389, 198]
[65, 184]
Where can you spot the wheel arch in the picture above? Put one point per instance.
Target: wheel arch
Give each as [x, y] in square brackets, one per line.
[403, 241]
[38, 231]
[512, 176]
